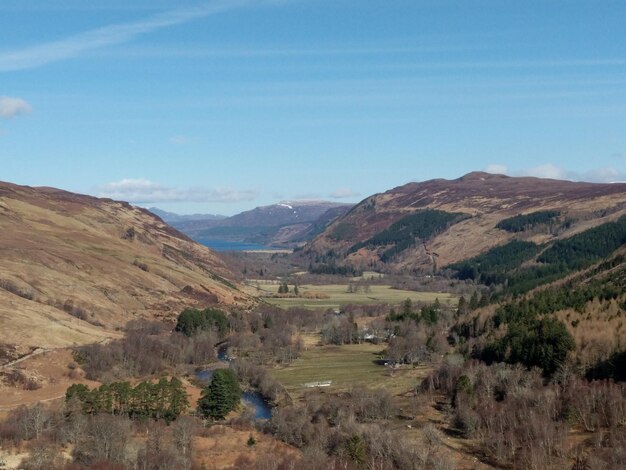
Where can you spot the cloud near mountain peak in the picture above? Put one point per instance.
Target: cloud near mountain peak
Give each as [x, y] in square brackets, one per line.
[142, 191]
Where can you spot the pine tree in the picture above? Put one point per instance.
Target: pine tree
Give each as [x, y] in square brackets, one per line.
[221, 396]
[356, 449]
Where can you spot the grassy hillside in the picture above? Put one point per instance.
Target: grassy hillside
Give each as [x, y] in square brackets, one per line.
[75, 267]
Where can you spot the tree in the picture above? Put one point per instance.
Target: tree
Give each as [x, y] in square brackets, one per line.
[162, 400]
[221, 396]
[105, 439]
[43, 455]
[542, 343]
[182, 435]
[356, 449]
[473, 303]
[407, 307]
[462, 307]
[192, 320]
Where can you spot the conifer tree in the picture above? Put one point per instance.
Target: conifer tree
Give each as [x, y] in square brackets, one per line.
[221, 396]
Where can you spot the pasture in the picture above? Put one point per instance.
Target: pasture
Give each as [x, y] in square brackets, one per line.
[336, 295]
[346, 366]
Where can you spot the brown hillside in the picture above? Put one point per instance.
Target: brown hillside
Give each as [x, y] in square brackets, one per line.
[76, 267]
[487, 198]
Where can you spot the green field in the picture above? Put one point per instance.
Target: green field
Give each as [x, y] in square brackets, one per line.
[346, 366]
[337, 295]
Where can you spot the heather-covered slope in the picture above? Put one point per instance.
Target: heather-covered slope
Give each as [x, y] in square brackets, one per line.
[73, 268]
[483, 199]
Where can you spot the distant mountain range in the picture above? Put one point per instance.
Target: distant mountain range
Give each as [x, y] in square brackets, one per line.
[171, 217]
[287, 223]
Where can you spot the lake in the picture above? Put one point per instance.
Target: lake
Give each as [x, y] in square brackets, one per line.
[227, 245]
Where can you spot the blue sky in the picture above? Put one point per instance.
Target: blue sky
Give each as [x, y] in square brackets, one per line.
[220, 106]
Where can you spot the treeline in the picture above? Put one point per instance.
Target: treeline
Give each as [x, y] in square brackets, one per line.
[571, 295]
[147, 348]
[613, 368]
[495, 266]
[503, 265]
[99, 441]
[428, 313]
[270, 334]
[326, 264]
[161, 400]
[402, 234]
[520, 422]
[353, 430]
[523, 222]
[542, 343]
[333, 269]
[164, 399]
[587, 247]
[535, 338]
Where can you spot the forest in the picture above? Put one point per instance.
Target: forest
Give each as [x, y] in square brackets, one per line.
[402, 234]
[504, 265]
[524, 222]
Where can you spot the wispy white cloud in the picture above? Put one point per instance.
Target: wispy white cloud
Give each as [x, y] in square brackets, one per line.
[548, 170]
[11, 107]
[343, 193]
[552, 171]
[74, 46]
[142, 191]
[497, 169]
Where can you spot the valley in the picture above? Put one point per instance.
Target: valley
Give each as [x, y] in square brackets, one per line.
[394, 361]
[312, 235]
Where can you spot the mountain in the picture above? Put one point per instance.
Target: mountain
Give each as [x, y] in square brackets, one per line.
[282, 224]
[440, 222]
[171, 217]
[74, 268]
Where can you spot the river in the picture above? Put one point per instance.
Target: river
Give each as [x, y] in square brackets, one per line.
[256, 401]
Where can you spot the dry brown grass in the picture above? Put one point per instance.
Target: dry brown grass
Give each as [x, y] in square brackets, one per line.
[78, 267]
[51, 370]
[222, 446]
